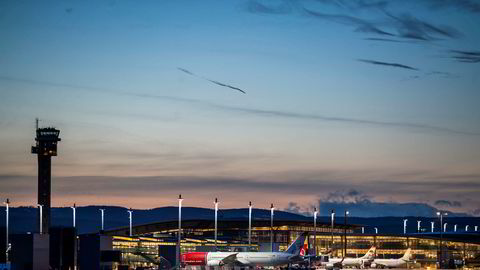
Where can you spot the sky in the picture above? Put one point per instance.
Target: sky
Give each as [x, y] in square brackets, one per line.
[283, 101]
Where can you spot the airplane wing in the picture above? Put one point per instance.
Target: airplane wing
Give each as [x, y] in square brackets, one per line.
[230, 259]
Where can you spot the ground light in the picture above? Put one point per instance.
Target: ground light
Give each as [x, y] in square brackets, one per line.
[440, 215]
[130, 216]
[345, 233]
[315, 213]
[179, 228]
[216, 216]
[74, 208]
[40, 207]
[7, 204]
[249, 224]
[102, 214]
[272, 209]
[332, 221]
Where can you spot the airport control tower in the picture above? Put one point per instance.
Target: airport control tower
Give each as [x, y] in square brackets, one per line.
[45, 148]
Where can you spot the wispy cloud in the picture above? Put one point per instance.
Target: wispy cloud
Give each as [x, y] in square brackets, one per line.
[210, 80]
[466, 56]
[410, 27]
[387, 64]
[254, 111]
[360, 25]
[404, 26]
[256, 7]
[464, 5]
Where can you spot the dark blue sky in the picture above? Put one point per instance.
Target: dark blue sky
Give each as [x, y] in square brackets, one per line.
[378, 96]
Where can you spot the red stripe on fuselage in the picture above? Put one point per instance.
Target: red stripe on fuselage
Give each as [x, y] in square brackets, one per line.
[195, 258]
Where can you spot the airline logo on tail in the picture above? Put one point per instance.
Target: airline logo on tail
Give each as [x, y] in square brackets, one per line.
[407, 255]
[370, 254]
[297, 246]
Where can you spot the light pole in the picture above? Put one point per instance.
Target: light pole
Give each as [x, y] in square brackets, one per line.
[216, 215]
[418, 226]
[333, 219]
[74, 208]
[345, 233]
[315, 212]
[455, 228]
[376, 230]
[40, 207]
[445, 227]
[466, 228]
[440, 214]
[179, 228]
[363, 230]
[249, 225]
[433, 225]
[272, 209]
[476, 228]
[130, 216]
[102, 214]
[7, 204]
[405, 226]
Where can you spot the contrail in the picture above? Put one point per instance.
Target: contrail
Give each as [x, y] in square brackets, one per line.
[210, 80]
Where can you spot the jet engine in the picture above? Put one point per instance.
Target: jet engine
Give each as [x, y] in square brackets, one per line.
[214, 263]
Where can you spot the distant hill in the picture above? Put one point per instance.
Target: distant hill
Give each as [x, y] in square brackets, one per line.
[23, 219]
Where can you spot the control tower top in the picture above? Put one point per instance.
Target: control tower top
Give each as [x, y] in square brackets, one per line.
[47, 139]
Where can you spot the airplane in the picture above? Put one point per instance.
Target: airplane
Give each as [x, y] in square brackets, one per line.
[291, 255]
[393, 263]
[351, 262]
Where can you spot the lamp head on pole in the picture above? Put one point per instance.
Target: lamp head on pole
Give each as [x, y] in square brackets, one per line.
[347, 213]
[438, 213]
[250, 204]
[7, 202]
[216, 200]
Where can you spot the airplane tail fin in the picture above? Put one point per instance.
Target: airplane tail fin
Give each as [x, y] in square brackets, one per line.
[370, 253]
[296, 247]
[407, 254]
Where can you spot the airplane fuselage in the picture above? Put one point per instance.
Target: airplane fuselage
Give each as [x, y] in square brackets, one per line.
[242, 258]
[389, 263]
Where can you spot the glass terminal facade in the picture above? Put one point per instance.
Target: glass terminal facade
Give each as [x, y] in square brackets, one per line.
[149, 248]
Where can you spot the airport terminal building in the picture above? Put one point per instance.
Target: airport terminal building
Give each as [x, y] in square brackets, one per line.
[154, 244]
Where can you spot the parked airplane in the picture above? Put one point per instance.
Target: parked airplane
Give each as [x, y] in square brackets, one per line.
[291, 255]
[351, 262]
[393, 263]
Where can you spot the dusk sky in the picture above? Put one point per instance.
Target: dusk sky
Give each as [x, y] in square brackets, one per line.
[380, 97]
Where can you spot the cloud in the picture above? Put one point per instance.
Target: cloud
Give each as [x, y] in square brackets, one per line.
[347, 196]
[212, 81]
[466, 56]
[387, 64]
[257, 7]
[464, 5]
[447, 203]
[360, 204]
[410, 27]
[357, 4]
[360, 25]
[252, 111]
[404, 26]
